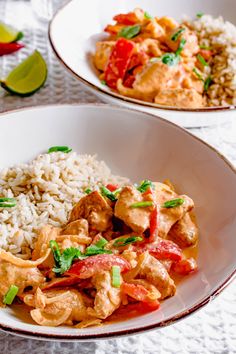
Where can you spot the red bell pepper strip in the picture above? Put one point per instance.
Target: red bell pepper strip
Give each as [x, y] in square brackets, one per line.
[118, 61]
[126, 19]
[9, 48]
[153, 225]
[112, 187]
[185, 266]
[137, 309]
[136, 291]
[129, 80]
[162, 250]
[88, 267]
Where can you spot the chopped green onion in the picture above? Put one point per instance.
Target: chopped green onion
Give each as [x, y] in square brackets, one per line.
[154, 59]
[7, 202]
[141, 204]
[207, 83]
[147, 16]
[202, 46]
[124, 241]
[64, 149]
[199, 14]
[88, 191]
[177, 34]
[145, 185]
[10, 295]
[181, 47]
[94, 250]
[202, 60]
[129, 31]
[170, 59]
[107, 193]
[55, 251]
[173, 203]
[198, 74]
[103, 82]
[116, 278]
[101, 242]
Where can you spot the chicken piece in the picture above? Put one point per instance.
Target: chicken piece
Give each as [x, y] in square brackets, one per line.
[102, 54]
[138, 219]
[10, 274]
[45, 235]
[150, 46]
[107, 298]
[155, 77]
[75, 234]
[190, 82]
[191, 46]
[153, 30]
[95, 209]
[56, 307]
[154, 271]
[168, 23]
[180, 97]
[169, 216]
[184, 232]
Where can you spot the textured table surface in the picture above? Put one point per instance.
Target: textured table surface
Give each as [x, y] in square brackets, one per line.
[212, 329]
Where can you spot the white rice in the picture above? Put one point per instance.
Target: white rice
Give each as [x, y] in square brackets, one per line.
[46, 190]
[219, 35]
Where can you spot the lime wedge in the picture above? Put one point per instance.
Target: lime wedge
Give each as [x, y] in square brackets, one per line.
[9, 34]
[27, 77]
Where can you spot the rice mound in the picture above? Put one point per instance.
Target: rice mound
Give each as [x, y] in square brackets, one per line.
[220, 37]
[46, 190]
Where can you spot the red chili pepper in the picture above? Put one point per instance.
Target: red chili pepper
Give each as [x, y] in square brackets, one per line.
[88, 267]
[126, 19]
[185, 266]
[112, 187]
[118, 61]
[153, 225]
[8, 48]
[162, 249]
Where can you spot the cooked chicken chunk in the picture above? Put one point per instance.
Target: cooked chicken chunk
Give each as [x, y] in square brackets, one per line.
[10, 274]
[184, 232]
[156, 274]
[56, 307]
[180, 97]
[107, 298]
[102, 54]
[95, 209]
[75, 234]
[169, 216]
[191, 46]
[136, 218]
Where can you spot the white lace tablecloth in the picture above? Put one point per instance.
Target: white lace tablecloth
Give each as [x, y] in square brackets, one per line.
[211, 330]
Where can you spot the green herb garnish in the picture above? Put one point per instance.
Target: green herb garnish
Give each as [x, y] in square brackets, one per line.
[196, 72]
[199, 14]
[107, 193]
[177, 34]
[64, 149]
[94, 250]
[124, 241]
[173, 203]
[116, 278]
[144, 204]
[129, 31]
[202, 60]
[181, 47]
[170, 59]
[101, 242]
[207, 83]
[63, 261]
[7, 202]
[147, 16]
[144, 185]
[103, 82]
[88, 191]
[10, 295]
[202, 46]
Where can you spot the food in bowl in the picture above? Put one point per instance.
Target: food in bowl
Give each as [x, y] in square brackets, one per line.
[82, 247]
[157, 59]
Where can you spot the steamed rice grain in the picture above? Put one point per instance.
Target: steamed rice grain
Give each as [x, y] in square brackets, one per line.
[46, 190]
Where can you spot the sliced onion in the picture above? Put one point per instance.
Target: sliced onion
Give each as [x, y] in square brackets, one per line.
[45, 319]
[9, 257]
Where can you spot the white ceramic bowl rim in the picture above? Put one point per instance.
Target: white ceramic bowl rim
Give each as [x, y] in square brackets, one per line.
[116, 95]
[168, 321]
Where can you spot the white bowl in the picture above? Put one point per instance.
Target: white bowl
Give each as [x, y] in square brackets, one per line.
[78, 25]
[136, 145]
